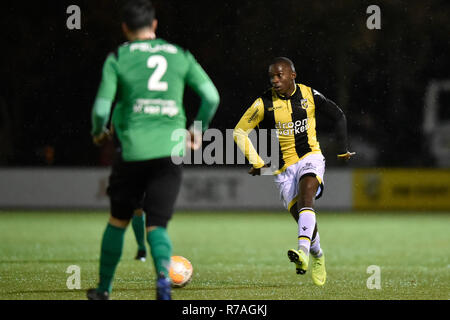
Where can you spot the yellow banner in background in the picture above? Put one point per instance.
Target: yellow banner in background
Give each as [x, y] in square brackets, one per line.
[419, 189]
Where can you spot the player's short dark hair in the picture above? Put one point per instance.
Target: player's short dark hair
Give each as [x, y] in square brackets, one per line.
[137, 14]
[285, 61]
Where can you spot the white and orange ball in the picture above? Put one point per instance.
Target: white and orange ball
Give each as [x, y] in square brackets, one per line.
[180, 271]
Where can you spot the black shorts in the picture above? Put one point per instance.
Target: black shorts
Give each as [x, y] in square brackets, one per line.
[152, 185]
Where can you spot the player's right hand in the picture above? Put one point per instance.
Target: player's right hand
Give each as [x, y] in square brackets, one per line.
[256, 172]
[101, 138]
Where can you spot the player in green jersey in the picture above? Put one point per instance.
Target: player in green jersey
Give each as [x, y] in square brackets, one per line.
[146, 76]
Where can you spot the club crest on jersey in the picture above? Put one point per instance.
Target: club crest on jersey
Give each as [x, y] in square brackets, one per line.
[304, 103]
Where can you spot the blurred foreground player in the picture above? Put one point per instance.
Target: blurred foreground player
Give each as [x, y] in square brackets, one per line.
[148, 75]
[290, 109]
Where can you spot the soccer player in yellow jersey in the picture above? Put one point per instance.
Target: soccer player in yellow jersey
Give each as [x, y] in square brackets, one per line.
[289, 110]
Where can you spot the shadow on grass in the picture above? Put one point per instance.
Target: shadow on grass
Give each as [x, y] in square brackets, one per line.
[44, 291]
[49, 261]
[266, 286]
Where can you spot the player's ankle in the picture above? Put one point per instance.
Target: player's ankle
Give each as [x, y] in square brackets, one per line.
[304, 249]
[316, 254]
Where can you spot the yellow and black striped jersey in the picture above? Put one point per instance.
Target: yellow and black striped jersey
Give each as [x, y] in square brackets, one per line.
[293, 119]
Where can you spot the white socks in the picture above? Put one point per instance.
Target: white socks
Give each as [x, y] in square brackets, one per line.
[306, 224]
[315, 249]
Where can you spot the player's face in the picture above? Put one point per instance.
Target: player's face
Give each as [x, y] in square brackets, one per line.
[282, 78]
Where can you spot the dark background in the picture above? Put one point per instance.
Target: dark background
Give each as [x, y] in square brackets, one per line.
[50, 74]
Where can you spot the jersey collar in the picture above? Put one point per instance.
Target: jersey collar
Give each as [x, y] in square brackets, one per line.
[287, 98]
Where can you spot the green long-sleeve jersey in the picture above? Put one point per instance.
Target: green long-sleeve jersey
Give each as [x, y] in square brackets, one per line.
[147, 80]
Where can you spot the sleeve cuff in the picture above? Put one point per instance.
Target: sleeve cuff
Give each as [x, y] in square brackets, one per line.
[258, 165]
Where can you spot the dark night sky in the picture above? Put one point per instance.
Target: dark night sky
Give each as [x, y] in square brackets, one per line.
[378, 77]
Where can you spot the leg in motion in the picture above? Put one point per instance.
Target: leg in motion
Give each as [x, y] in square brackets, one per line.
[306, 222]
[161, 251]
[161, 194]
[138, 225]
[111, 251]
[318, 271]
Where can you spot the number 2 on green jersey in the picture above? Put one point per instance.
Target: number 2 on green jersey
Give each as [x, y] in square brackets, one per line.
[154, 83]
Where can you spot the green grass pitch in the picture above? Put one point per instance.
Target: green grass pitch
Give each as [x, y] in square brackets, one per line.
[236, 256]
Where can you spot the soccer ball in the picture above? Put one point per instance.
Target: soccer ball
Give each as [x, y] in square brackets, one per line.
[180, 271]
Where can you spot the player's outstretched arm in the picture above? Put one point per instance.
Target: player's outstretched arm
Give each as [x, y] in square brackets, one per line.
[324, 105]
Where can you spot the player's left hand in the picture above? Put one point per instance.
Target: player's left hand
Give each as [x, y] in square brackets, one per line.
[101, 138]
[346, 156]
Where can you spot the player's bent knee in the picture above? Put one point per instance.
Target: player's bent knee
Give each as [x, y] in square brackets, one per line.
[151, 228]
[154, 222]
[118, 222]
